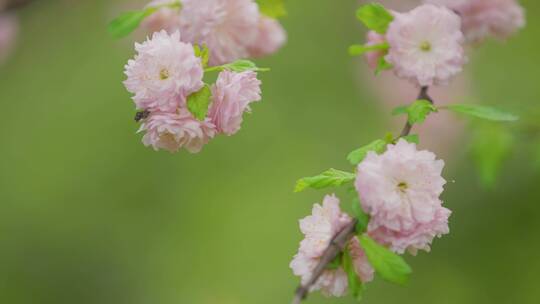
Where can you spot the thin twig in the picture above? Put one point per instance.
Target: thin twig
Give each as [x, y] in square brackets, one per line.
[340, 240]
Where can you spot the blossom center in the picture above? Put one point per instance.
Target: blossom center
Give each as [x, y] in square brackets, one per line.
[425, 46]
[402, 186]
[163, 74]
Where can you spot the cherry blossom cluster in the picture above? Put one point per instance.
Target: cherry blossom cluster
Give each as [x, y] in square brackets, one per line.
[190, 38]
[178, 109]
[426, 45]
[231, 29]
[397, 206]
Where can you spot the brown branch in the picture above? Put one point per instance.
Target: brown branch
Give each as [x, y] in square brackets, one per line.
[14, 4]
[340, 240]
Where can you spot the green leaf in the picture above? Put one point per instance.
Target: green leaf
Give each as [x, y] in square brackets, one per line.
[272, 8]
[375, 17]
[419, 110]
[361, 216]
[203, 53]
[128, 22]
[491, 145]
[329, 178]
[198, 102]
[238, 66]
[412, 138]
[357, 49]
[400, 110]
[358, 155]
[355, 284]
[387, 264]
[483, 112]
[382, 65]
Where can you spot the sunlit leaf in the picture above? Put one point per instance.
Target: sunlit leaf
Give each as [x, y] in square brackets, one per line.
[375, 17]
[329, 178]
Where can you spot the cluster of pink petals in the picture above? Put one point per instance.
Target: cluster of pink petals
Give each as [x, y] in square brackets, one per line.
[163, 73]
[318, 229]
[227, 27]
[8, 31]
[173, 131]
[426, 45]
[165, 18]
[231, 29]
[231, 96]
[487, 18]
[400, 190]
[271, 36]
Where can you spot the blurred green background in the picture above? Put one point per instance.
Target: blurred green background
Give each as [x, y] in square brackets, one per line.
[89, 215]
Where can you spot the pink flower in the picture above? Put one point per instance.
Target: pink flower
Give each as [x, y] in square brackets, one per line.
[270, 38]
[163, 73]
[400, 189]
[372, 58]
[9, 27]
[426, 45]
[231, 95]
[484, 18]
[319, 228]
[417, 238]
[165, 18]
[173, 131]
[227, 27]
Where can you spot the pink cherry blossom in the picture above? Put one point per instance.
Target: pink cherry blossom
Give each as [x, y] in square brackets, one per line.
[373, 57]
[487, 18]
[231, 95]
[167, 17]
[227, 27]
[9, 27]
[400, 190]
[319, 228]
[173, 131]
[270, 38]
[426, 45]
[163, 73]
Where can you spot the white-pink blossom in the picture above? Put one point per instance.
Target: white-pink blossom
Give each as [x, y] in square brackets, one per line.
[400, 190]
[270, 38]
[231, 96]
[166, 17]
[373, 57]
[227, 27]
[173, 131]
[163, 73]
[319, 228]
[426, 45]
[9, 27]
[487, 18]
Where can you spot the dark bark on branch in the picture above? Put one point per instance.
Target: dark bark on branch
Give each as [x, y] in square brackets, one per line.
[14, 4]
[340, 240]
